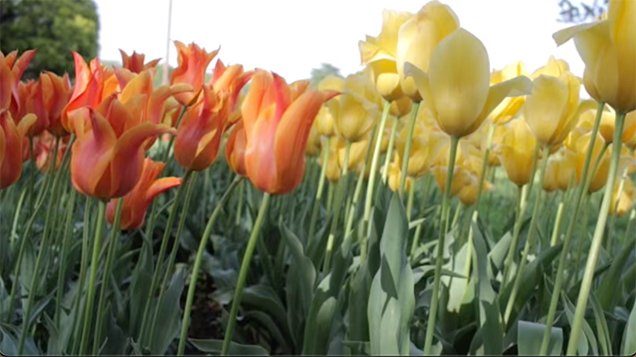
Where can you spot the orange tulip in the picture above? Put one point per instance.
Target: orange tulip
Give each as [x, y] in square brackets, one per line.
[93, 83]
[12, 139]
[136, 201]
[193, 61]
[235, 149]
[106, 160]
[199, 135]
[55, 93]
[135, 62]
[277, 119]
[44, 147]
[11, 69]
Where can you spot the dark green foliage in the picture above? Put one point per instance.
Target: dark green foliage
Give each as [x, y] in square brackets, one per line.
[54, 28]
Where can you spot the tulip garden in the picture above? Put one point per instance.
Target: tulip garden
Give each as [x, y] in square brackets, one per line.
[428, 204]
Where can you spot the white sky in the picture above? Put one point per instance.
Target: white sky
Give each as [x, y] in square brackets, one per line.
[293, 37]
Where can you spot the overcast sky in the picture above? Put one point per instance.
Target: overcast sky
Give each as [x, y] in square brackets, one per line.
[293, 37]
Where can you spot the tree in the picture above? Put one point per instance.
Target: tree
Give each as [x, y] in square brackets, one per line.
[581, 12]
[54, 28]
[317, 74]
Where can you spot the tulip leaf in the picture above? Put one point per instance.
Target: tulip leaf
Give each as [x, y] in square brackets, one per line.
[392, 297]
[530, 336]
[607, 291]
[214, 346]
[629, 342]
[319, 320]
[168, 315]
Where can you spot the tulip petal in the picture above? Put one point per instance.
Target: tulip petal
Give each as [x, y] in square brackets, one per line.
[91, 155]
[7, 80]
[128, 156]
[459, 76]
[545, 106]
[292, 134]
[422, 83]
[514, 87]
[564, 35]
[161, 185]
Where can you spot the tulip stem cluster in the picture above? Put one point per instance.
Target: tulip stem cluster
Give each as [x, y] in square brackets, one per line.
[444, 213]
[242, 277]
[580, 194]
[370, 186]
[597, 239]
[185, 323]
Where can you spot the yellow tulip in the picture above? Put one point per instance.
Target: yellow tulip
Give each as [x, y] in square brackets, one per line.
[560, 172]
[457, 85]
[313, 142]
[417, 38]
[517, 150]
[379, 54]
[608, 121]
[509, 107]
[599, 177]
[553, 108]
[400, 107]
[608, 49]
[395, 175]
[623, 198]
[427, 144]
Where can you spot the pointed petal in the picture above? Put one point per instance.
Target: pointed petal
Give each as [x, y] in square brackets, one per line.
[91, 156]
[128, 156]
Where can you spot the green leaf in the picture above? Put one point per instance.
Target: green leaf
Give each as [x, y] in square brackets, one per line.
[263, 298]
[301, 279]
[629, 342]
[530, 336]
[318, 326]
[169, 314]
[606, 292]
[392, 298]
[214, 346]
[602, 331]
[587, 340]
[498, 253]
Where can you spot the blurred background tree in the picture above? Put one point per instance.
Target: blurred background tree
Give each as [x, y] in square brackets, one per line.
[317, 74]
[53, 27]
[577, 11]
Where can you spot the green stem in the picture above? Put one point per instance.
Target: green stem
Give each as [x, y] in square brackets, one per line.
[597, 239]
[245, 264]
[162, 250]
[341, 194]
[185, 323]
[427, 182]
[173, 253]
[409, 202]
[371, 185]
[484, 164]
[39, 202]
[521, 212]
[90, 299]
[389, 150]
[407, 148]
[580, 193]
[44, 247]
[530, 237]
[66, 244]
[432, 314]
[321, 185]
[86, 244]
[110, 257]
[556, 230]
[353, 204]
